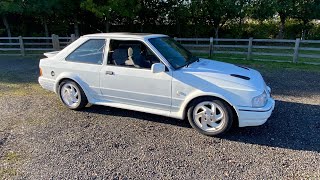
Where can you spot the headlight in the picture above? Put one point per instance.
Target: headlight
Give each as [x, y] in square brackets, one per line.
[269, 89]
[260, 100]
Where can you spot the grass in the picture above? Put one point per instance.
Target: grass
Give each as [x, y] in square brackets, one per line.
[8, 160]
[12, 157]
[16, 83]
[6, 173]
[21, 89]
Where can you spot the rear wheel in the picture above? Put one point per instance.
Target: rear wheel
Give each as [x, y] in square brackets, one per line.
[72, 95]
[210, 116]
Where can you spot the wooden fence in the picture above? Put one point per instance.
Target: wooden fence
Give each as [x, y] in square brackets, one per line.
[33, 45]
[284, 50]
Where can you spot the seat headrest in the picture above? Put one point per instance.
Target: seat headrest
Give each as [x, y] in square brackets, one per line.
[130, 52]
[119, 56]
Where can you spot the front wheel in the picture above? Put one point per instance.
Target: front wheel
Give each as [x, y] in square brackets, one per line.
[210, 116]
[72, 95]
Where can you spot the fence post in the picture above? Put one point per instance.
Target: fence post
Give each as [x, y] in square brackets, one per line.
[55, 42]
[73, 37]
[21, 46]
[296, 51]
[211, 47]
[249, 55]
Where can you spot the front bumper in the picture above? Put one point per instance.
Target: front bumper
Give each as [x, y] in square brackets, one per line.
[255, 116]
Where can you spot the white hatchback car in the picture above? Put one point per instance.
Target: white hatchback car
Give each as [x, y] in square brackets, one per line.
[153, 73]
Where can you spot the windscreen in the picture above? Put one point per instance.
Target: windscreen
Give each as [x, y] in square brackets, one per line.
[174, 52]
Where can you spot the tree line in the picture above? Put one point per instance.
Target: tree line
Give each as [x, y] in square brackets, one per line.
[181, 18]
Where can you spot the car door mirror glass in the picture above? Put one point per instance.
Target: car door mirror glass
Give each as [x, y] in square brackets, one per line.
[158, 68]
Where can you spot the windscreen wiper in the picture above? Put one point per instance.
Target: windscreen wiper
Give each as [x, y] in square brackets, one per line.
[195, 59]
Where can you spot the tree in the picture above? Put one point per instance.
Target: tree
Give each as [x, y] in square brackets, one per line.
[71, 12]
[261, 9]
[102, 9]
[218, 12]
[285, 9]
[8, 7]
[178, 14]
[266, 9]
[306, 11]
[43, 10]
[196, 14]
[105, 9]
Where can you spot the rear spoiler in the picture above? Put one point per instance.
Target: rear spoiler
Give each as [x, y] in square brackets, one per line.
[51, 54]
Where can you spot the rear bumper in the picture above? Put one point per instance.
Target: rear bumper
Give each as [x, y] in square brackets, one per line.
[46, 83]
[255, 116]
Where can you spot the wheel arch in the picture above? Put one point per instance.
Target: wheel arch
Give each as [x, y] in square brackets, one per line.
[234, 111]
[64, 79]
[73, 77]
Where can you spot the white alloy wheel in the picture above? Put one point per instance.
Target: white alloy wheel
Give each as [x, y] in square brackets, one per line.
[209, 116]
[70, 95]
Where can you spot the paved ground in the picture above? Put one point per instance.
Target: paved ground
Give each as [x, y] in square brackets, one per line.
[41, 139]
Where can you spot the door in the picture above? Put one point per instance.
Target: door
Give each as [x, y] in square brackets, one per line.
[127, 77]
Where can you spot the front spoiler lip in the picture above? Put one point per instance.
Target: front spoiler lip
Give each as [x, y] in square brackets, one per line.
[256, 110]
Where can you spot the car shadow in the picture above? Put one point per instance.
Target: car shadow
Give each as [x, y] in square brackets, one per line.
[293, 126]
[104, 110]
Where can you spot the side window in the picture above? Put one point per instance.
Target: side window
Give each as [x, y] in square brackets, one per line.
[131, 54]
[89, 52]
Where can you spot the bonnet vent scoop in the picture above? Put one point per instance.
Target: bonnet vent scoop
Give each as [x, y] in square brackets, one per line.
[243, 67]
[240, 76]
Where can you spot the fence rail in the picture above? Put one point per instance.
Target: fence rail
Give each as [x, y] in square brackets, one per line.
[284, 50]
[33, 45]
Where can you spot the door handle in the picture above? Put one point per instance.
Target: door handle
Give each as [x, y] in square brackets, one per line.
[109, 73]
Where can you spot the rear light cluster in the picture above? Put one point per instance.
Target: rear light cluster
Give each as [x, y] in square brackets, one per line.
[40, 72]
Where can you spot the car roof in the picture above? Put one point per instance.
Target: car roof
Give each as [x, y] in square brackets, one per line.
[126, 35]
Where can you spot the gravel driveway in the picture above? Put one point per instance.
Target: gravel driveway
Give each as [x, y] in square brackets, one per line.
[41, 139]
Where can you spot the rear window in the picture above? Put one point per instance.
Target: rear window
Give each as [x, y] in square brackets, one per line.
[90, 52]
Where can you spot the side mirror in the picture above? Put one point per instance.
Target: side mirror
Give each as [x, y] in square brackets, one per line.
[158, 68]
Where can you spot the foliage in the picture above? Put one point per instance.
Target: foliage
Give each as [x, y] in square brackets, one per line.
[10, 7]
[188, 18]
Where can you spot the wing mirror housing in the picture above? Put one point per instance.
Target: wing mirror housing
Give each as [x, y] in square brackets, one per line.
[158, 68]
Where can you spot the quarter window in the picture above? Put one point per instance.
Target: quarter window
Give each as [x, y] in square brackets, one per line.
[89, 52]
